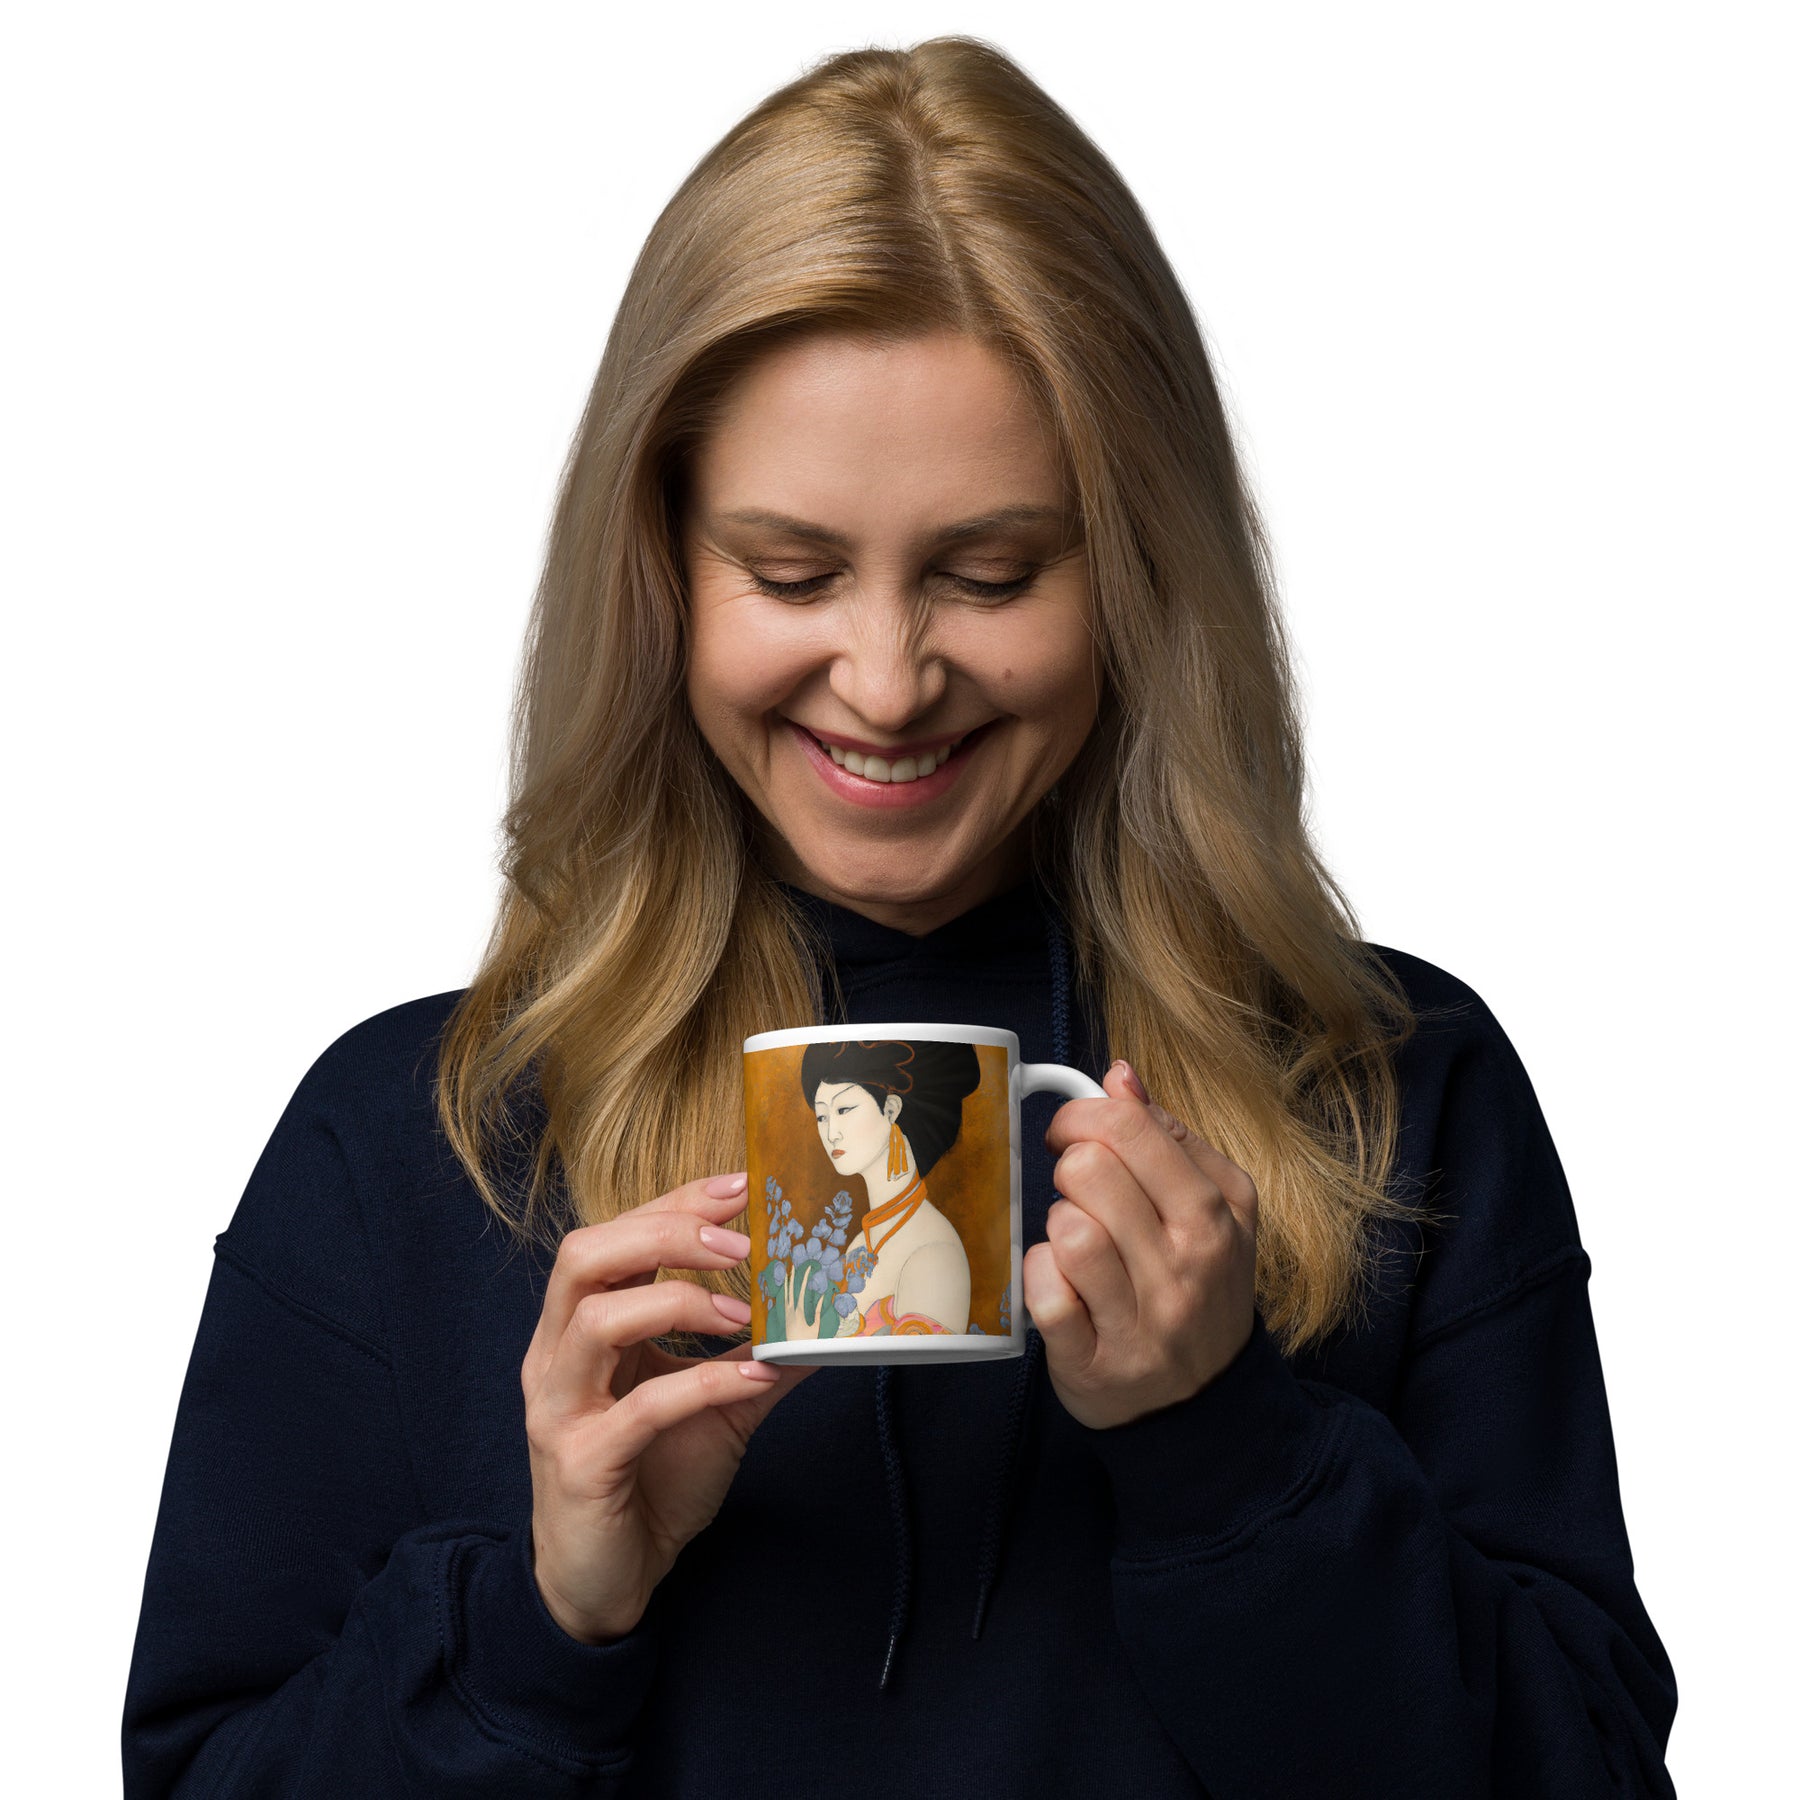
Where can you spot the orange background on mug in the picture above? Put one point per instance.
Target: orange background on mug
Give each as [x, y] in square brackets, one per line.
[970, 1184]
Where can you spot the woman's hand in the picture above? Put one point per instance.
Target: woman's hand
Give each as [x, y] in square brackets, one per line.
[1146, 1287]
[632, 1449]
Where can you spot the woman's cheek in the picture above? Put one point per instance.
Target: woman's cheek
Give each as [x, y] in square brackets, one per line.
[738, 660]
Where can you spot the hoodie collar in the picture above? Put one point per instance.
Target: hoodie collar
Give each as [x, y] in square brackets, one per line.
[1009, 926]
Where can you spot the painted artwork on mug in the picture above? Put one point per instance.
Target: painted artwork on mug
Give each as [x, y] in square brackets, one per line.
[880, 1189]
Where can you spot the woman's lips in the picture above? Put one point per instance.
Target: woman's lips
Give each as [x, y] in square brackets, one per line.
[837, 1153]
[861, 791]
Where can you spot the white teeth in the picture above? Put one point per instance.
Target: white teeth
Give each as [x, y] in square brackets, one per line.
[878, 768]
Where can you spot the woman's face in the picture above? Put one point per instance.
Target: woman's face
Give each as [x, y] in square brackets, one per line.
[852, 1125]
[915, 627]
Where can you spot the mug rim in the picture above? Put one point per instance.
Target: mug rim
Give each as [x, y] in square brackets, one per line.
[930, 1032]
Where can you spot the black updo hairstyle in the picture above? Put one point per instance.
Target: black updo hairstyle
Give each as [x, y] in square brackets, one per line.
[932, 1081]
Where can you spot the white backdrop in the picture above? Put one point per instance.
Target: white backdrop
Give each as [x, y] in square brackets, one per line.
[303, 304]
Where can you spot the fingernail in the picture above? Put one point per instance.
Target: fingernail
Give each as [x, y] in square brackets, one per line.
[727, 1243]
[1131, 1077]
[758, 1371]
[738, 1311]
[722, 1187]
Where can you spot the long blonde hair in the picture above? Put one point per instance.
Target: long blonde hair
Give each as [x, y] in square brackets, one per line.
[639, 938]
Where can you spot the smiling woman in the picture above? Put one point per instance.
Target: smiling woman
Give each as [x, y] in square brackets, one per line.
[905, 650]
[892, 685]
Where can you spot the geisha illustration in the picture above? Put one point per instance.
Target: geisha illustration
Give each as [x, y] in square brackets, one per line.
[886, 1112]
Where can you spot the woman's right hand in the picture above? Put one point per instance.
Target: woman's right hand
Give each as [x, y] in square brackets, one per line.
[632, 1449]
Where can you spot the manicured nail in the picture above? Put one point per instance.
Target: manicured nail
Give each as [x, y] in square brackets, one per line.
[758, 1371]
[736, 1310]
[1136, 1086]
[727, 1243]
[722, 1187]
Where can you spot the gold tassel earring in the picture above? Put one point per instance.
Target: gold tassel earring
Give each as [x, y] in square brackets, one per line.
[896, 1151]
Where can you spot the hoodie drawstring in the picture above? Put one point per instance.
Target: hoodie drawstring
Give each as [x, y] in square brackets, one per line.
[896, 1486]
[1018, 1404]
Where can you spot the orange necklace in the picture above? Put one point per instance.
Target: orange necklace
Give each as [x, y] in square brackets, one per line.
[899, 1209]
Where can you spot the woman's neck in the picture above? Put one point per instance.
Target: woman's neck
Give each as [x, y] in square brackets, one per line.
[882, 1186]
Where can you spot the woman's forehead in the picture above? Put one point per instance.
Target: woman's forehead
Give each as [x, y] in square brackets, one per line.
[831, 1090]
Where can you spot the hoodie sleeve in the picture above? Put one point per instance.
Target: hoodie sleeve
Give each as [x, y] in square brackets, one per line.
[1322, 1597]
[303, 1629]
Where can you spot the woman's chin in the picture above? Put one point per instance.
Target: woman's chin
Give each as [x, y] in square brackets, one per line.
[884, 873]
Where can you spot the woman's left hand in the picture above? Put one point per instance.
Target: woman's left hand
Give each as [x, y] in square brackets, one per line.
[1146, 1287]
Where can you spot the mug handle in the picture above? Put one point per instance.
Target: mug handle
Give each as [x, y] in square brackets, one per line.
[1071, 1084]
[1056, 1078]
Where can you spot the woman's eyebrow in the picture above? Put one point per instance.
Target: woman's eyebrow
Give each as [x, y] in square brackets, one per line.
[998, 520]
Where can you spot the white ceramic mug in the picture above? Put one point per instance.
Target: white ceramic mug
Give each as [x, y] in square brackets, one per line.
[885, 1220]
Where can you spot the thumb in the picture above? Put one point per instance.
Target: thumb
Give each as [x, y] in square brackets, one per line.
[1121, 1082]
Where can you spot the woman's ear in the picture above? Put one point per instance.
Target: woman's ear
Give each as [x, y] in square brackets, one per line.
[890, 1107]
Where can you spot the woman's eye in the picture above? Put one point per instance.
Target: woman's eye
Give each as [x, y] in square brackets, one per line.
[788, 590]
[995, 590]
[980, 590]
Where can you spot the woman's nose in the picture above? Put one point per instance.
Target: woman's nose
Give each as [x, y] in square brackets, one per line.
[888, 675]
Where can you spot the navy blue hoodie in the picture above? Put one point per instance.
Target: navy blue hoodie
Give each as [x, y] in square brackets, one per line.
[1395, 1565]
